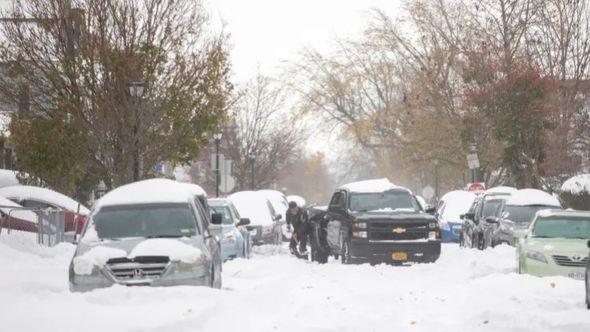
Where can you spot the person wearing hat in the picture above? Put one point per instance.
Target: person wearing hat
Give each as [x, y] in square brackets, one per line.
[297, 218]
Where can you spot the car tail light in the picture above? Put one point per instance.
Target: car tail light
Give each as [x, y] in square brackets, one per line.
[74, 222]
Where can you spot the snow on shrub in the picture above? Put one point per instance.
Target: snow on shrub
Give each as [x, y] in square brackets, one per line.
[575, 192]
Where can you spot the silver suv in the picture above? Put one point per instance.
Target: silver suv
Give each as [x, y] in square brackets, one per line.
[152, 233]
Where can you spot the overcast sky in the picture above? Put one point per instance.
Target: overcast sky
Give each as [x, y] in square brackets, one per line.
[266, 32]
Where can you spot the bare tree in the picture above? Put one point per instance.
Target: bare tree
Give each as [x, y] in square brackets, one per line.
[268, 138]
[78, 71]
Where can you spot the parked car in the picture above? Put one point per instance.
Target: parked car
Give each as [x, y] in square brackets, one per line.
[234, 237]
[474, 225]
[450, 208]
[280, 204]
[265, 223]
[43, 198]
[148, 233]
[515, 215]
[555, 244]
[14, 217]
[376, 221]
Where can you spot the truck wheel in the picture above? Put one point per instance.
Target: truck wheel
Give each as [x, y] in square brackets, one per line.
[346, 252]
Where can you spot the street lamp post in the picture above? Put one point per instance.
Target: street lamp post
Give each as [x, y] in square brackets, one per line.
[252, 158]
[217, 138]
[136, 89]
[436, 185]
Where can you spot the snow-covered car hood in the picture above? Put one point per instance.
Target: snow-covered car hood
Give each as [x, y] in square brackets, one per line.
[97, 253]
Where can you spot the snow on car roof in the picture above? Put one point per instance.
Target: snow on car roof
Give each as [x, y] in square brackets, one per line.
[194, 189]
[371, 186]
[501, 190]
[563, 213]
[456, 203]
[577, 184]
[44, 195]
[8, 178]
[146, 192]
[19, 214]
[277, 199]
[252, 205]
[524, 197]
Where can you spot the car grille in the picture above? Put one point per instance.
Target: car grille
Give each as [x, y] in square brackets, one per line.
[567, 261]
[397, 231]
[138, 268]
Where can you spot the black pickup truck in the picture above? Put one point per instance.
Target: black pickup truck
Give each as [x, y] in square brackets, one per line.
[375, 221]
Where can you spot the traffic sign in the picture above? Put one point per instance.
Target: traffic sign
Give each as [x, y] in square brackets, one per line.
[472, 161]
[476, 187]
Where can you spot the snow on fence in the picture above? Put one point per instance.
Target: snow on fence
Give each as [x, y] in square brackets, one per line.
[47, 224]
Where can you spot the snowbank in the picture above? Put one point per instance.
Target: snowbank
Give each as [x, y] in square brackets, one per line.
[43, 195]
[371, 186]
[147, 191]
[466, 290]
[174, 249]
[532, 197]
[577, 184]
[456, 203]
[252, 205]
[95, 257]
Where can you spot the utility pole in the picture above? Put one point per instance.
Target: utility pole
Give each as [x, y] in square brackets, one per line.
[217, 139]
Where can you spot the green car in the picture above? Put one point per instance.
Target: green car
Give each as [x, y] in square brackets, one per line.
[555, 244]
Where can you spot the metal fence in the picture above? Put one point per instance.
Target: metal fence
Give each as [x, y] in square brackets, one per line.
[49, 224]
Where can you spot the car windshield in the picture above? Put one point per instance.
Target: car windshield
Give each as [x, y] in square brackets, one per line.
[522, 215]
[225, 212]
[561, 226]
[161, 220]
[386, 201]
[490, 207]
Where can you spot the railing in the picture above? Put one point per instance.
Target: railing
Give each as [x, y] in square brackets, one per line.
[50, 225]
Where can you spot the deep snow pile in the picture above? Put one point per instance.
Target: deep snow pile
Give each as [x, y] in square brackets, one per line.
[466, 290]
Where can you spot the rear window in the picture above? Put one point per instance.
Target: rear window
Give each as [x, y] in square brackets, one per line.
[153, 220]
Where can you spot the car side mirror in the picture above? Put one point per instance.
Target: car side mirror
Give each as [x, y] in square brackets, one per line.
[470, 216]
[278, 217]
[244, 222]
[492, 220]
[588, 244]
[216, 218]
[430, 209]
[336, 209]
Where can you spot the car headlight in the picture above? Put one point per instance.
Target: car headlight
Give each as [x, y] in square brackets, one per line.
[433, 225]
[506, 229]
[361, 235]
[228, 239]
[535, 255]
[445, 225]
[357, 224]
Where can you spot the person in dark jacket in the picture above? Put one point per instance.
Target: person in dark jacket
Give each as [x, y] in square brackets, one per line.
[298, 219]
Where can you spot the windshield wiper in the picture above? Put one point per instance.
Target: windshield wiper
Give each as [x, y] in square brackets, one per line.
[162, 236]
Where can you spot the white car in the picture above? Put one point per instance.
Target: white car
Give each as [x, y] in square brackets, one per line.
[265, 222]
[280, 204]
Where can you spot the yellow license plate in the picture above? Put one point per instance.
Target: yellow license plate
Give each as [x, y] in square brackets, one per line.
[399, 256]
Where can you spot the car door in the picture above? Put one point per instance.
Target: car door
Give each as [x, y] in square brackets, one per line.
[469, 225]
[211, 242]
[337, 214]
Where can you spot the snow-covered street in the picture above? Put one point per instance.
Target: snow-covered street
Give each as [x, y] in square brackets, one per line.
[466, 289]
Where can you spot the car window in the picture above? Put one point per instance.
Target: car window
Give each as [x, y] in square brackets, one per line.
[337, 199]
[33, 204]
[152, 220]
[225, 211]
[562, 227]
